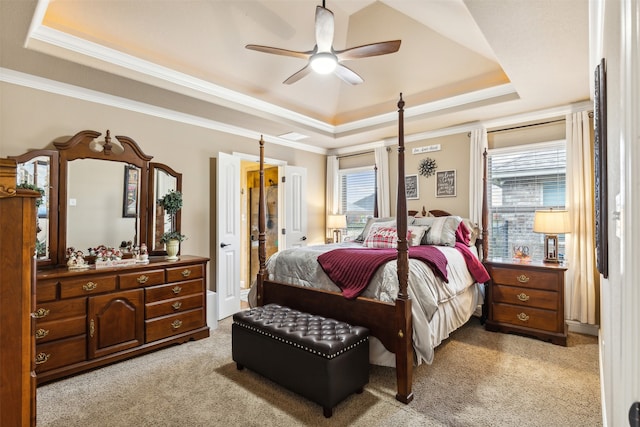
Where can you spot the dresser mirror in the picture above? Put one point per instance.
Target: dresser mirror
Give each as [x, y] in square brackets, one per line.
[40, 169]
[162, 180]
[108, 192]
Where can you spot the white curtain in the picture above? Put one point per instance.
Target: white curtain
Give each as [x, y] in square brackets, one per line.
[582, 280]
[478, 143]
[333, 203]
[382, 163]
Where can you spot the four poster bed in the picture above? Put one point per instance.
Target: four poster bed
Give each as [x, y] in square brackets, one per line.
[409, 306]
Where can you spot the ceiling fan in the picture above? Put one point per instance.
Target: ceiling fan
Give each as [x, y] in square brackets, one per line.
[323, 59]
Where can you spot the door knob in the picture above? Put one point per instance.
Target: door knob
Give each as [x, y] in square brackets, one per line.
[303, 238]
[222, 245]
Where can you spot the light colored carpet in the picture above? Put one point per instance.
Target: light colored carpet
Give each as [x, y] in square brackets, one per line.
[478, 378]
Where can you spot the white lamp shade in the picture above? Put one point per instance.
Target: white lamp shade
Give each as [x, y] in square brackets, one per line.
[552, 221]
[337, 221]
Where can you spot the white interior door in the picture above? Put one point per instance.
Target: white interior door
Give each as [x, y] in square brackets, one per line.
[228, 235]
[295, 205]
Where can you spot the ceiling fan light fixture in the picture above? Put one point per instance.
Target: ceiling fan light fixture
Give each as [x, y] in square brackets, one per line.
[323, 63]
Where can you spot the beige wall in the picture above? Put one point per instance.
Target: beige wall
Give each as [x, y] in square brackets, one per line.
[32, 119]
[453, 155]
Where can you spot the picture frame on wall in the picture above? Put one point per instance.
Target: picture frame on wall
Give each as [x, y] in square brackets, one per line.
[600, 168]
[130, 194]
[446, 183]
[411, 187]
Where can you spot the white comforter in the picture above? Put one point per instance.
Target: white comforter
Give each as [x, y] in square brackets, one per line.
[299, 266]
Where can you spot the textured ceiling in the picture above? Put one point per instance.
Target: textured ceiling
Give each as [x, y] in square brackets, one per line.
[459, 61]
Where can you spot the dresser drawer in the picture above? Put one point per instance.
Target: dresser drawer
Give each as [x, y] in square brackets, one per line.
[525, 297]
[174, 290]
[48, 311]
[141, 278]
[87, 286]
[525, 278]
[56, 329]
[176, 274]
[46, 290]
[162, 327]
[546, 320]
[175, 305]
[60, 353]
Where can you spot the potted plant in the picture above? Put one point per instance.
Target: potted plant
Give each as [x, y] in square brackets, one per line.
[172, 203]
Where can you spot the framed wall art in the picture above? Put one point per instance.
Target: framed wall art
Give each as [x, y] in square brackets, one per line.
[411, 186]
[446, 183]
[600, 169]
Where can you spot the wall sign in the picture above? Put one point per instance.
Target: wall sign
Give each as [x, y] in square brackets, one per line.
[411, 186]
[446, 183]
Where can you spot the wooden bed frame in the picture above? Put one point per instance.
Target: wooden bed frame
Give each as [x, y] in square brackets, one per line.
[396, 334]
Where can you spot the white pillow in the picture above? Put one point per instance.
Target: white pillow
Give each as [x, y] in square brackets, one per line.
[443, 231]
[416, 234]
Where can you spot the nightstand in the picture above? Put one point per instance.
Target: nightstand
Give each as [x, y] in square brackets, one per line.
[527, 299]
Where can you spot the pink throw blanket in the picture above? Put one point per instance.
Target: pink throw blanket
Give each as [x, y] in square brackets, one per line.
[477, 270]
[352, 268]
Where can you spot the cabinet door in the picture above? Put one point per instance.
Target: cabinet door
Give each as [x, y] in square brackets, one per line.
[116, 322]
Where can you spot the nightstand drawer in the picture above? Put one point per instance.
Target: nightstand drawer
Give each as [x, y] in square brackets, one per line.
[526, 278]
[535, 318]
[525, 297]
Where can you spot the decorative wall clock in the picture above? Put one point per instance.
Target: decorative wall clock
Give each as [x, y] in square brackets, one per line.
[427, 167]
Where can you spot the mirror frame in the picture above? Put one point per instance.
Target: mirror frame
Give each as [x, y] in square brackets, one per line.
[52, 259]
[80, 146]
[152, 200]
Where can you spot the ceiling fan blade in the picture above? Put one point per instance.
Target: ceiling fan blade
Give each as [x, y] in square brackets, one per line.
[324, 29]
[298, 75]
[373, 49]
[348, 75]
[278, 51]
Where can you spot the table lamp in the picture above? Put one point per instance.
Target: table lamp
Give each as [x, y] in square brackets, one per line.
[551, 222]
[337, 223]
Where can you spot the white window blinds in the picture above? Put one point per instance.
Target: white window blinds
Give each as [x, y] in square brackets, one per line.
[357, 192]
[521, 180]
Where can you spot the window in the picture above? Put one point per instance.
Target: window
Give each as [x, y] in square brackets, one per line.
[521, 180]
[357, 192]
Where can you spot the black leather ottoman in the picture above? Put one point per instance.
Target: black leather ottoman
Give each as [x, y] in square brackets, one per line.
[321, 359]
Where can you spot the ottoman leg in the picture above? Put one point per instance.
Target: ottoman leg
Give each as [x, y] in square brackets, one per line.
[328, 412]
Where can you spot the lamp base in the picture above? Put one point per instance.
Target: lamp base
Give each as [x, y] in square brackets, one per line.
[337, 236]
[551, 248]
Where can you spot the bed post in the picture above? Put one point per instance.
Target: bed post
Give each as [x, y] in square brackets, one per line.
[485, 209]
[404, 347]
[262, 248]
[375, 191]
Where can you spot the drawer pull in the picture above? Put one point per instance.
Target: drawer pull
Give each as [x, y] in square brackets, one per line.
[42, 358]
[523, 317]
[41, 312]
[92, 328]
[89, 286]
[186, 273]
[41, 333]
[176, 305]
[176, 324]
[176, 289]
[143, 279]
[523, 297]
[522, 278]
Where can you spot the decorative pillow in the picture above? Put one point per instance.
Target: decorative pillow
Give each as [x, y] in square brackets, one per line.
[362, 236]
[425, 220]
[416, 234]
[463, 234]
[475, 231]
[382, 237]
[443, 231]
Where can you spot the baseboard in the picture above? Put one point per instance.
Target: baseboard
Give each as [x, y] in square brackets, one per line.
[583, 328]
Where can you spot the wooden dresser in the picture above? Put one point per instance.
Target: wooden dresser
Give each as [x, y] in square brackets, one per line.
[89, 318]
[17, 243]
[527, 299]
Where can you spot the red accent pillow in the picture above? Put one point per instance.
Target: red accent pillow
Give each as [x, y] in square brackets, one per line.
[463, 234]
